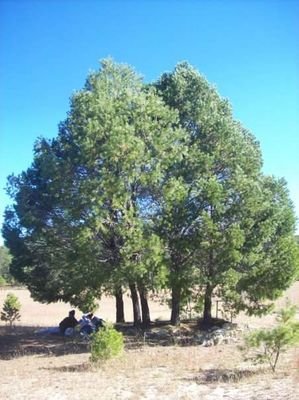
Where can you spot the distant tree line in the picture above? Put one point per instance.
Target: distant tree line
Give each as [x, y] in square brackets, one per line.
[5, 259]
[149, 187]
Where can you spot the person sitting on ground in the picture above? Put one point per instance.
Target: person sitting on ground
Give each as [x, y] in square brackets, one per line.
[86, 325]
[89, 323]
[68, 324]
[97, 322]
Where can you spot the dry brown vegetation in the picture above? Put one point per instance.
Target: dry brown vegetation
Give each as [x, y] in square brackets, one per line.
[38, 367]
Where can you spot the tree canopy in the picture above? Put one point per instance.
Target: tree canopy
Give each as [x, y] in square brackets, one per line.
[150, 186]
[229, 226]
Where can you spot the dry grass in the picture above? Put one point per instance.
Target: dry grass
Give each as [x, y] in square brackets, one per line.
[53, 369]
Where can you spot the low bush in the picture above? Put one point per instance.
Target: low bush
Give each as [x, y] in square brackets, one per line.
[106, 343]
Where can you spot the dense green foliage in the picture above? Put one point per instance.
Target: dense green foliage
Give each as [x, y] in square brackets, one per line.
[150, 186]
[82, 221]
[11, 309]
[272, 342]
[227, 227]
[106, 343]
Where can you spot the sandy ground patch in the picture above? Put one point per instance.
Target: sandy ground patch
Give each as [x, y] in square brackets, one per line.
[36, 314]
[149, 373]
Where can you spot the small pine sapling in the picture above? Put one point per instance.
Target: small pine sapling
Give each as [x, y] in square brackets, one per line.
[11, 309]
[270, 343]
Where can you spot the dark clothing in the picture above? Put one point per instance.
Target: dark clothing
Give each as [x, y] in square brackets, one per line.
[86, 330]
[68, 322]
[98, 323]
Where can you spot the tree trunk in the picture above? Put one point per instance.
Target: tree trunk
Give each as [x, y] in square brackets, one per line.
[119, 302]
[136, 304]
[175, 306]
[207, 313]
[146, 319]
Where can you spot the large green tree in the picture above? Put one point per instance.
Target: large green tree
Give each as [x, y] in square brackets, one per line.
[150, 185]
[83, 210]
[228, 228]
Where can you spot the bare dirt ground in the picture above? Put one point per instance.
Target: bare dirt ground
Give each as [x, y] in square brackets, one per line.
[51, 368]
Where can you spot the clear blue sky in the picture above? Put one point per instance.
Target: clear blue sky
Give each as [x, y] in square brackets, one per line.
[248, 49]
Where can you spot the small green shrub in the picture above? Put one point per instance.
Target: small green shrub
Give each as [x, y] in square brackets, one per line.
[106, 343]
[270, 343]
[11, 308]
